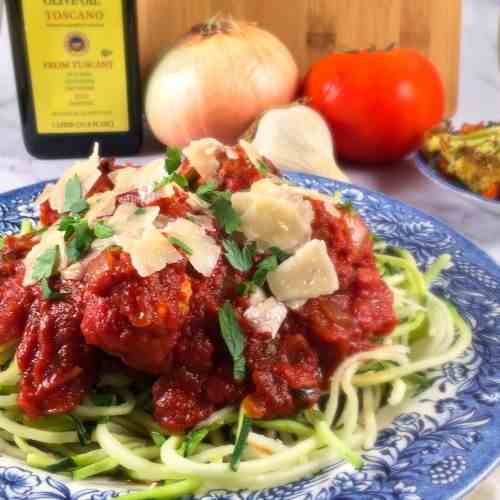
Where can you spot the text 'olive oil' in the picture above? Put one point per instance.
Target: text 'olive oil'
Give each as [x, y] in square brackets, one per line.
[77, 74]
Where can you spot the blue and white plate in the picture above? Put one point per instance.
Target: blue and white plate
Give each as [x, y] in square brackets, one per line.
[437, 447]
[427, 168]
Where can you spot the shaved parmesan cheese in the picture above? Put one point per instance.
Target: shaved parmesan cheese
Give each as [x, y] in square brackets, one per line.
[276, 187]
[150, 253]
[307, 274]
[127, 220]
[274, 221]
[201, 156]
[205, 253]
[50, 238]
[101, 205]
[266, 316]
[252, 154]
[87, 172]
[44, 195]
[131, 178]
[231, 153]
[295, 304]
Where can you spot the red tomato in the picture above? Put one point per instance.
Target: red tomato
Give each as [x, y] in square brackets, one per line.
[378, 103]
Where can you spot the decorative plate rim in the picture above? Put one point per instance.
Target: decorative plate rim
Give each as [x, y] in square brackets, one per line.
[13, 474]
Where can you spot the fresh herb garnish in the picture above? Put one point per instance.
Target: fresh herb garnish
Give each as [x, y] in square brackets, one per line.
[246, 288]
[140, 211]
[45, 264]
[81, 430]
[2, 242]
[207, 188]
[281, 255]
[264, 267]
[73, 196]
[80, 243]
[173, 177]
[180, 244]
[48, 293]
[234, 339]
[102, 230]
[62, 465]
[262, 168]
[67, 224]
[241, 442]
[172, 159]
[225, 214]
[26, 226]
[240, 258]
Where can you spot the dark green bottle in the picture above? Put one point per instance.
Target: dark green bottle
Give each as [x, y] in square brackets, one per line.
[77, 74]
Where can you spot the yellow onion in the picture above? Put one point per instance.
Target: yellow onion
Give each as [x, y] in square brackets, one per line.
[216, 81]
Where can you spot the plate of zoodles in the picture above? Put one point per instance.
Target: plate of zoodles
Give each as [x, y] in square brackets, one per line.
[204, 325]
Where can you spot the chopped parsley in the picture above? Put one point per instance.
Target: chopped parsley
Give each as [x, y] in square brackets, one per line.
[264, 267]
[67, 224]
[246, 288]
[172, 159]
[241, 441]
[140, 211]
[102, 230]
[234, 339]
[180, 244]
[45, 264]
[74, 200]
[205, 189]
[240, 258]
[281, 255]
[80, 243]
[173, 177]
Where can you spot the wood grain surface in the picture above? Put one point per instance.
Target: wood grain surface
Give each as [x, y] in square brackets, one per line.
[313, 28]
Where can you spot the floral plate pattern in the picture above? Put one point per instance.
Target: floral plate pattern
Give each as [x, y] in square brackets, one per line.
[437, 447]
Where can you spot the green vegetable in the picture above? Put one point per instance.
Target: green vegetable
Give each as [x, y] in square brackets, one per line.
[376, 366]
[158, 438]
[262, 168]
[193, 439]
[67, 224]
[265, 266]
[419, 380]
[284, 425]
[240, 258]
[172, 159]
[73, 196]
[81, 430]
[80, 243]
[48, 293]
[281, 255]
[45, 264]
[104, 398]
[207, 188]
[180, 244]
[241, 441]
[102, 230]
[234, 339]
[2, 242]
[173, 177]
[225, 214]
[62, 465]
[140, 211]
[246, 288]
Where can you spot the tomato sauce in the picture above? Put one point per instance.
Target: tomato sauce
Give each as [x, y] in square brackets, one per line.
[166, 324]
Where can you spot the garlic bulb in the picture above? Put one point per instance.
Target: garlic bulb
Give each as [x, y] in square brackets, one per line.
[297, 138]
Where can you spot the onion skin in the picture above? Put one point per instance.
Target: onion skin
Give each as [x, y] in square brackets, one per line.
[216, 82]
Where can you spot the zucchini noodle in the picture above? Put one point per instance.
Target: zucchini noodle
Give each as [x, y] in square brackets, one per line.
[123, 438]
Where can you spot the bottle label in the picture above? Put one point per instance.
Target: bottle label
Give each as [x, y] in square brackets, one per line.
[76, 57]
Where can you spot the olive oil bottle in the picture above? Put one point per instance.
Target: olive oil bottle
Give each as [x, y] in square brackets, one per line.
[77, 75]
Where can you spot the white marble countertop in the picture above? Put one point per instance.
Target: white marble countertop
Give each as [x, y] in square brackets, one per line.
[479, 100]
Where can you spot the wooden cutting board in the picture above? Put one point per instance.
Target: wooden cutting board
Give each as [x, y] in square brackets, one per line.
[313, 28]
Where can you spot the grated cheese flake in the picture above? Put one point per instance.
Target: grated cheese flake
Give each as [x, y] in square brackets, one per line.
[307, 274]
[266, 316]
[205, 252]
[87, 172]
[201, 156]
[252, 154]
